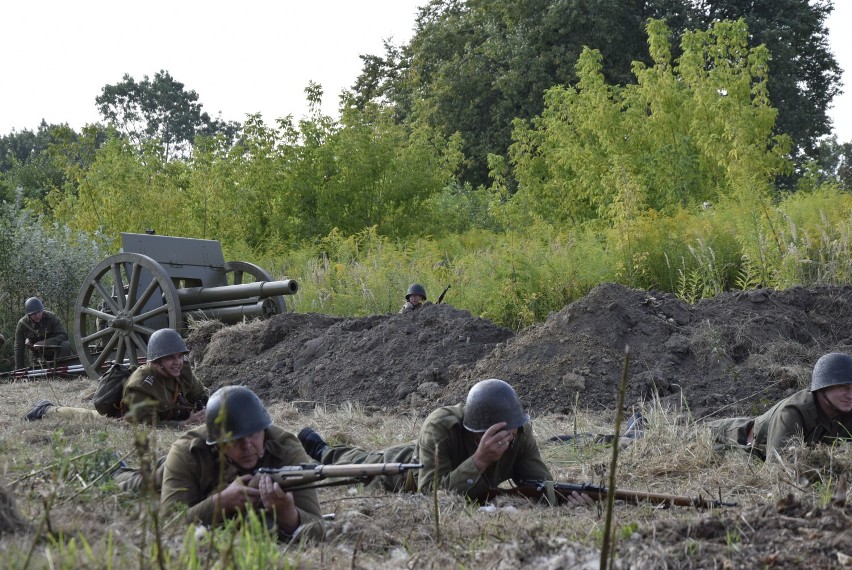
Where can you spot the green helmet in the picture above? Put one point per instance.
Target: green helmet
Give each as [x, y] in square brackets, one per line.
[165, 342]
[234, 412]
[832, 369]
[416, 289]
[33, 305]
[490, 402]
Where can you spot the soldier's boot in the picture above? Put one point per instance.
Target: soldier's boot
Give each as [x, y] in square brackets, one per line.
[313, 443]
[38, 411]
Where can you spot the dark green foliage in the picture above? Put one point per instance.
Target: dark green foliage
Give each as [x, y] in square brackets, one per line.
[804, 75]
[472, 67]
[159, 109]
[44, 260]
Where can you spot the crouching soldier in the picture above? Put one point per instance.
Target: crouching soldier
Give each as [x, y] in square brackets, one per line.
[819, 414]
[41, 332]
[209, 469]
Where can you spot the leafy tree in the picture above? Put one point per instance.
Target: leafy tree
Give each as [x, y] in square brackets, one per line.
[835, 162]
[26, 164]
[699, 130]
[804, 75]
[161, 109]
[477, 65]
[473, 66]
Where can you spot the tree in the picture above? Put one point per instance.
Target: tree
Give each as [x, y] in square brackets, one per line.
[159, 110]
[474, 66]
[804, 75]
[34, 164]
[699, 130]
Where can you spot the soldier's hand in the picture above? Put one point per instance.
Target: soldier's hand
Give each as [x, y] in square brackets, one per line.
[238, 495]
[196, 418]
[493, 444]
[274, 498]
[576, 499]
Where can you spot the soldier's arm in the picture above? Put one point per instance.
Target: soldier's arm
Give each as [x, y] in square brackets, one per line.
[785, 425]
[529, 465]
[181, 486]
[143, 407]
[464, 478]
[57, 333]
[196, 392]
[306, 500]
[20, 342]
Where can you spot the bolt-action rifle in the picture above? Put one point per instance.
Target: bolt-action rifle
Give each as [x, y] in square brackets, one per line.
[555, 493]
[298, 477]
[441, 296]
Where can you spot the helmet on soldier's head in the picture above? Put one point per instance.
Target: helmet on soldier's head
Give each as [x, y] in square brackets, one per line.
[234, 412]
[165, 342]
[832, 369]
[33, 305]
[416, 289]
[490, 402]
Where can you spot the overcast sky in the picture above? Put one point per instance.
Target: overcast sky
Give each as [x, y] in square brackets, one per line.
[240, 57]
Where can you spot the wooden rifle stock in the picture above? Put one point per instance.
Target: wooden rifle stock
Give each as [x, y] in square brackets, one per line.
[561, 491]
[296, 477]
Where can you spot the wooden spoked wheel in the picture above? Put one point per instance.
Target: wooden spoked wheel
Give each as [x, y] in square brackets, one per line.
[122, 301]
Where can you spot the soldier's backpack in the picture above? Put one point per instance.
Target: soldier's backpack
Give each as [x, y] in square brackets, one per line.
[108, 394]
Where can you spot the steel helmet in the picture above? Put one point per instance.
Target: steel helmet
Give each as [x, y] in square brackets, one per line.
[234, 412]
[490, 402]
[165, 342]
[832, 369]
[33, 305]
[416, 289]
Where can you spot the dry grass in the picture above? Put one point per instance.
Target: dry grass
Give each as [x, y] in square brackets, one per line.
[377, 530]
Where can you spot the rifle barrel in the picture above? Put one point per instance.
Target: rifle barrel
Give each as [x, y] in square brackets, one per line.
[599, 493]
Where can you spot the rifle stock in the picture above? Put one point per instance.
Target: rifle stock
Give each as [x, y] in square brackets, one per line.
[550, 490]
[295, 477]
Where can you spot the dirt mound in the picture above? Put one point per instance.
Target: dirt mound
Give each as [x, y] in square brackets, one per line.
[729, 355]
[379, 361]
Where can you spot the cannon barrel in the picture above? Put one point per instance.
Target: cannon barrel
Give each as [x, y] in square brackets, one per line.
[260, 289]
[231, 314]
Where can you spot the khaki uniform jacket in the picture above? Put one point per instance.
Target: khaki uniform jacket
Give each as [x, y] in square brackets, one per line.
[799, 415]
[443, 430]
[148, 395]
[193, 473]
[49, 329]
[444, 436]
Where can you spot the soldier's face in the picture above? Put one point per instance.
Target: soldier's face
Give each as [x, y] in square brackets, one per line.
[246, 451]
[415, 299]
[170, 365]
[840, 397]
[37, 316]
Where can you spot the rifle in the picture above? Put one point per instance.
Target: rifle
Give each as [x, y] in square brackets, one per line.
[298, 477]
[555, 493]
[441, 296]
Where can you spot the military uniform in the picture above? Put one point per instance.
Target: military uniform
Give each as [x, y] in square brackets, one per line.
[799, 415]
[149, 395]
[446, 448]
[408, 307]
[49, 330]
[193, 472]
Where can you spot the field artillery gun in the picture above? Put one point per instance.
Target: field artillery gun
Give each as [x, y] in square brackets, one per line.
[160, 282]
